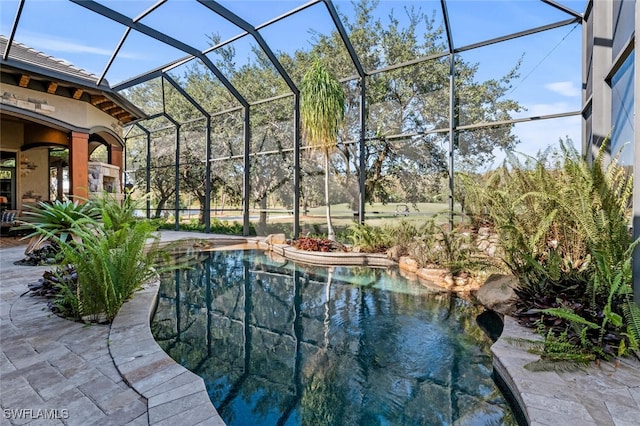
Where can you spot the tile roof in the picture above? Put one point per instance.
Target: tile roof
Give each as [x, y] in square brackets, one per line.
[22, 53]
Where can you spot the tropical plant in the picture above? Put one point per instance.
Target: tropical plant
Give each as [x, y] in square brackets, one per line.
[369, 239]
[322, 112]
[116, 215]
[439, 245]
[564, 233]
[63, 221]
[110, 266]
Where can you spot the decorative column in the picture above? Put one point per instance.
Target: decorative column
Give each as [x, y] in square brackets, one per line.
[79, 165]
[116, 159]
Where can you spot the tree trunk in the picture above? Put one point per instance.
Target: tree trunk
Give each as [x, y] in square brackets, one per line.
[330, 234]
[262, 224]
[160, 207]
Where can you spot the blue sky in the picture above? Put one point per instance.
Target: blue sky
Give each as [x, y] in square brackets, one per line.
[551, 61]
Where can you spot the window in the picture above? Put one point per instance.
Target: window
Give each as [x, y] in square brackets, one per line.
[622, 112]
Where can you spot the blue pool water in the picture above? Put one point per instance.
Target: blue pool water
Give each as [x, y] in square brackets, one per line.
[279, 343]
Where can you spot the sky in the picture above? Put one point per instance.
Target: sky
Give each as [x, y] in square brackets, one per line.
[550, 71]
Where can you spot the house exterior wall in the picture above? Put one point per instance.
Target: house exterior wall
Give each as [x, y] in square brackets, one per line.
[78, 114]
[55, 120]
[611, 86]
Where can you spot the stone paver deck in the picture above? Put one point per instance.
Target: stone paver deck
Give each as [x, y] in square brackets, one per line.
[606, 394]
[54, 371]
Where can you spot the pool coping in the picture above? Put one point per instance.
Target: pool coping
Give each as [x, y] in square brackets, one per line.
[604, 393]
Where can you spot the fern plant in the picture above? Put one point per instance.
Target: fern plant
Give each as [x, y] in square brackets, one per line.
[110, 267]
[564, 234]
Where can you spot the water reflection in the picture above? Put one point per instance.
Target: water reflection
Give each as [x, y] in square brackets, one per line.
[278, 344]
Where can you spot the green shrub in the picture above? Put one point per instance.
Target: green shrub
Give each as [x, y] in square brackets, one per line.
[63, 221]
[105, 261]
[369, 239]
[454, 249]
[110, 266]
[565, 236]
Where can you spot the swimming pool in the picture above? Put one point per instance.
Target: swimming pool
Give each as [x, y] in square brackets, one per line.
[279, 343]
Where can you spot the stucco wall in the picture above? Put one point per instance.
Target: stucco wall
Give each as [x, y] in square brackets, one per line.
[11, 135]
[35, 180]
[77, 113]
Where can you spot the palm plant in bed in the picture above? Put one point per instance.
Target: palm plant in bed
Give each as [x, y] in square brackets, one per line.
[56, 222]
[322, 113]
[564, 230]
[116, 257]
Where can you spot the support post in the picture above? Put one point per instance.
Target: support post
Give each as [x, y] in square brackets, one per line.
[362, 151]
[296, 167]
[79, 162]
[246, 184]
[452, 132]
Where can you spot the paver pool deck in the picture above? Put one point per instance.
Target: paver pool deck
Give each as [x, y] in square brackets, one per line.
[54, 371]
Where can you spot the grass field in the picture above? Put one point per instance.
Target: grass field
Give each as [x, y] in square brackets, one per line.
[314, 221]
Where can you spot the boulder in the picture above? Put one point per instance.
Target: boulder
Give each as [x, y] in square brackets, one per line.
[273, 239]
[497, 293]
[408, 264]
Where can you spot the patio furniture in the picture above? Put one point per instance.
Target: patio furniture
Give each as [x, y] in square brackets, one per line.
[8, 220]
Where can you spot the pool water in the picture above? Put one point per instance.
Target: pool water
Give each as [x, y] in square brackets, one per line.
[279, 343]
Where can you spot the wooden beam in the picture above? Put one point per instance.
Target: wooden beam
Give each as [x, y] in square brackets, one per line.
[109, 107]
[77, 94]
[53, 86]
[97, 100]
[24, 80]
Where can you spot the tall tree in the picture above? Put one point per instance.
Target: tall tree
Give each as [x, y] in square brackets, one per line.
[322, 113]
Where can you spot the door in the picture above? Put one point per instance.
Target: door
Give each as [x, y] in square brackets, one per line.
[7, 180]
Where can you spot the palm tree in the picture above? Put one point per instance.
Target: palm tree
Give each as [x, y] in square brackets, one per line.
[322, 113]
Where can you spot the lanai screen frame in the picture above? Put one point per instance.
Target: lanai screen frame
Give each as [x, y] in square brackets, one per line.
[254, 31]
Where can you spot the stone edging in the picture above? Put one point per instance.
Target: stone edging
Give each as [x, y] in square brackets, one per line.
[331, 258]
[174, 394]
[508, 362]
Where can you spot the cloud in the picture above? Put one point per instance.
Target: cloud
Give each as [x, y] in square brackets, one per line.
[564, 88]
[48, 45]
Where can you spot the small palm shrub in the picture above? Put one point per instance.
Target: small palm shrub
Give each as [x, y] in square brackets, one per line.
[564, 234]
[117, 215]
[61, 221]
[104, 261]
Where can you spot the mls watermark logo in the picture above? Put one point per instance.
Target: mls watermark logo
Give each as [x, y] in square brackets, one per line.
[35, 414]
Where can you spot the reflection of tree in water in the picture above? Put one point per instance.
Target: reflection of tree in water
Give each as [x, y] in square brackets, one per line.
[321, 346]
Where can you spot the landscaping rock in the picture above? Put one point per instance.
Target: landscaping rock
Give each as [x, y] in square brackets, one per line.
[434, 275]
[408, 264]
[497, 293]
[273, 239]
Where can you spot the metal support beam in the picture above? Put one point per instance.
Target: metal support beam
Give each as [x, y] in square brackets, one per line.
[635, 265]
[453, 133]
[246, 183]
[14, 27]
[362, 151]
[177, 181]
[296, 167]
